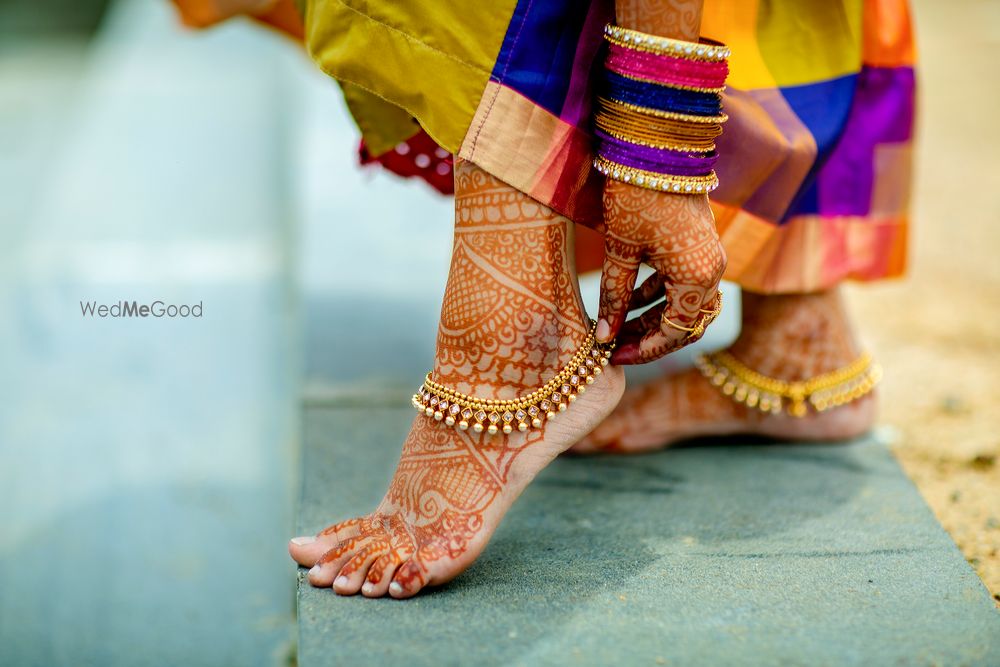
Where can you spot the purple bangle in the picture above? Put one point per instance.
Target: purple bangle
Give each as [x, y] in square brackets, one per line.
[660, 160]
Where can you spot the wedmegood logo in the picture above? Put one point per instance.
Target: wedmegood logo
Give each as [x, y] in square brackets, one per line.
[135, 309]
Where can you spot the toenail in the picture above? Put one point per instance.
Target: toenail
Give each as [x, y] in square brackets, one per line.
[304, 540]
[368, 587]
[315, 570]
[394, 587]
[340, 582]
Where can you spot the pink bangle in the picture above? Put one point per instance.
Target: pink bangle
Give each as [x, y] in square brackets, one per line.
[667, 70]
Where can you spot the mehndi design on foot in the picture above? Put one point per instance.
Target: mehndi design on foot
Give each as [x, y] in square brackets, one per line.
[791, 339]
[528, 411]
[511, 319]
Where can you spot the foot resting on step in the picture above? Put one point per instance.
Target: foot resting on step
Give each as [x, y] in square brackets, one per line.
[788, 338]
[511, 320]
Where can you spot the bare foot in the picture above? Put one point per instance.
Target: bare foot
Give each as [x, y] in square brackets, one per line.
[787, 337]
[511, 319]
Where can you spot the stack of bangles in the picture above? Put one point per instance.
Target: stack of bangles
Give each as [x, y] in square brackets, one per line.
[659, 111]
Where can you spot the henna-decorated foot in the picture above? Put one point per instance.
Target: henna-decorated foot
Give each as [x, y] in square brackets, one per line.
[511, 319]
[785, 337]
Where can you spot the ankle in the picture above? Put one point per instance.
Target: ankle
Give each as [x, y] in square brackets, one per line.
[795, 336]
[512, 316]
[507, 363]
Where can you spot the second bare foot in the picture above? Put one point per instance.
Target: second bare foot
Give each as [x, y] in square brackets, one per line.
[787, 337]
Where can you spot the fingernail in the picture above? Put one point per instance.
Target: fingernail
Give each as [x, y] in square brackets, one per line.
[304, 540]
[368, 587]
[625, 355]
[315, 570]
[340, 582]
[603, 332]
[394, 587]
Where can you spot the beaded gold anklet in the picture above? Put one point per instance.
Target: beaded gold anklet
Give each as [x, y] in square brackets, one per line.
[493, 415]
[767, 394]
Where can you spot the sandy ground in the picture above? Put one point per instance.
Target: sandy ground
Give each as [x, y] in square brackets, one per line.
[937, 333]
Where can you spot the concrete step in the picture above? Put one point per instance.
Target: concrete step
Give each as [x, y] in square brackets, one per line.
[724, 554]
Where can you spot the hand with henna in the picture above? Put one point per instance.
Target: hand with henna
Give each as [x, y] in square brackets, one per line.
[675, 235]
[672, 233]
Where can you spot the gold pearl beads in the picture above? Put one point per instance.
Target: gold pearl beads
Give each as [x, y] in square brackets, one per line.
[494, 416]
[771, 395]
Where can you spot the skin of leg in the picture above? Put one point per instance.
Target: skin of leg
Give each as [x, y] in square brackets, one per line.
[511, 319]
[791, 337]
[679, 19]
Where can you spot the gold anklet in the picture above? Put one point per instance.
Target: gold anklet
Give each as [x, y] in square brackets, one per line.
[493, 415]
[823, 392]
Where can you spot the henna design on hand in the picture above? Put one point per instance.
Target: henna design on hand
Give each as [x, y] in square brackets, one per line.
[676, 236]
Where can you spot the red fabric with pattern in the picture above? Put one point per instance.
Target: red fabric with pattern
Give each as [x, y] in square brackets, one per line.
[419, 156]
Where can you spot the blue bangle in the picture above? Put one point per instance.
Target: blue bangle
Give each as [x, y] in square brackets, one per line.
[663, 98]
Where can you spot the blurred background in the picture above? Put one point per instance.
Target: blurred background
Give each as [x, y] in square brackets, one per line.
[148, 467]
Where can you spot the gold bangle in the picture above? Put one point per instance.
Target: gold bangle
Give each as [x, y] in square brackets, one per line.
[688, 185]
[654, 143]
[703, 50]
[660, 133]
[624, 117]
[649, 111]
[493, 415]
